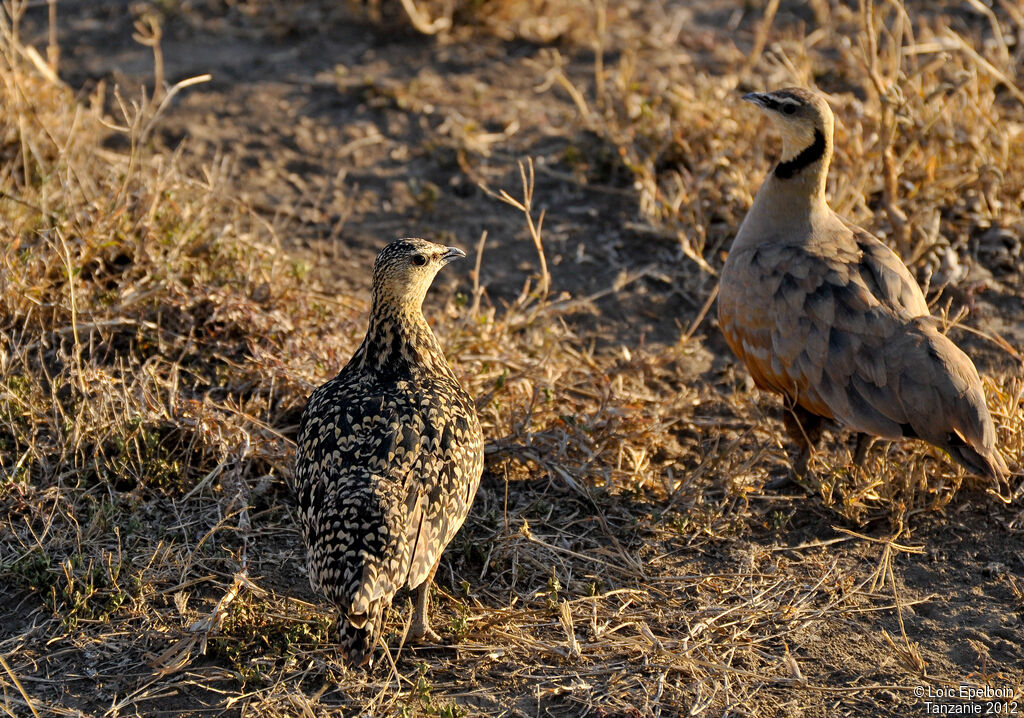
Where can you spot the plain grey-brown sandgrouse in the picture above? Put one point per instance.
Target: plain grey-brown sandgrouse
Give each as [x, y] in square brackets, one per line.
[826, 315]
[389, 457]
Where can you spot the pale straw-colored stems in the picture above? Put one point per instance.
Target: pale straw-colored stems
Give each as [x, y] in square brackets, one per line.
[885, 87]
[148, 32]
[422, 21]
[534, 226]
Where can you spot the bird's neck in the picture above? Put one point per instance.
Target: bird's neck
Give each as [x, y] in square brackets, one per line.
[399, 342]
[802, 171]
[791, 202]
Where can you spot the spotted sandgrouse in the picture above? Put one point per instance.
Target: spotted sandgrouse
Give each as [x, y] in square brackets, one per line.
[826, 315]
[389, 457]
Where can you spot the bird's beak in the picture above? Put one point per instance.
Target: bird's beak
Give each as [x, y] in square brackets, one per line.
[453, 253]
[760, 99]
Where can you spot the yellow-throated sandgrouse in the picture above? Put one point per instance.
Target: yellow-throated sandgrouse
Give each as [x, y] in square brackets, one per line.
[826, 315]
[389, 457]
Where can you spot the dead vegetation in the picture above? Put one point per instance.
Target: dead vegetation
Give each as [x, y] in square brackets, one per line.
[157, 341]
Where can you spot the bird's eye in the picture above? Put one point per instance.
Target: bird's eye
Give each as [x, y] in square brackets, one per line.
[419, 260]
[789, 109]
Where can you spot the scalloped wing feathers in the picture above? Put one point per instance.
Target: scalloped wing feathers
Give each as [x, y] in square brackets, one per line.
[836, 322]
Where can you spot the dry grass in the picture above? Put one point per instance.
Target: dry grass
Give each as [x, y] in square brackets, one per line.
[157, 343]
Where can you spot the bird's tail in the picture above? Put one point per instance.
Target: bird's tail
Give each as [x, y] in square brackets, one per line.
[944, 392]
[358, 634]
[989, 465]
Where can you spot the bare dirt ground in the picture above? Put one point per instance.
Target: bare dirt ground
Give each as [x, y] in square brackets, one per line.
[356, 131]
[344, 133]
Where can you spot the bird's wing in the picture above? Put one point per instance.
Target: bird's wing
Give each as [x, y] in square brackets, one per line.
[815, 321]
[356, 452]
[447, 488]
[884, 274]
[394, 482]
[409, 457]
[776, 318]
[874, 298]
[852, 339]
[746, 319]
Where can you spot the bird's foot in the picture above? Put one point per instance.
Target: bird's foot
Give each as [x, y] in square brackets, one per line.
[421, 632]
[796, 476]
[862, 447]
[801, 465]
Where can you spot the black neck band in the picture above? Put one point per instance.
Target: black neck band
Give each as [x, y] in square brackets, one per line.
[811, 154]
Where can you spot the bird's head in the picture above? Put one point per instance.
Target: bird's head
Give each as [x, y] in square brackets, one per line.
[802, 117]
[405, 269]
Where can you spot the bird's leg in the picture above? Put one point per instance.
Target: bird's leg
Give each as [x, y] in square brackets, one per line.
[420, 628]
[804, 428]
[863, 446]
